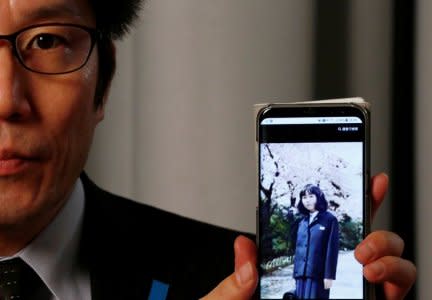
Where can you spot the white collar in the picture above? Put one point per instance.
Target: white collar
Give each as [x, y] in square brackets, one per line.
[53, 253]
[312, 216]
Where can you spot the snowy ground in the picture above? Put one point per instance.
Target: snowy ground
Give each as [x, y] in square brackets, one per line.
[348, 283]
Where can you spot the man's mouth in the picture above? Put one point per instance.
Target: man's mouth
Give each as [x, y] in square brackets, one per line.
[14, 162]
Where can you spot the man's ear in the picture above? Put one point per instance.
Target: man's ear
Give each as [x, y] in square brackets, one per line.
[108, 83]
[107, 66]
[100, 111]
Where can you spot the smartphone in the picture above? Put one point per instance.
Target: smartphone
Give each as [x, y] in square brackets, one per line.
[313, 198]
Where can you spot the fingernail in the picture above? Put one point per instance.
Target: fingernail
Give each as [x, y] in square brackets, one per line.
[365, 252]
[244, 274]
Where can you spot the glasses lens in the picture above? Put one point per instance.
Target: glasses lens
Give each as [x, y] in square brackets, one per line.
[54, 49]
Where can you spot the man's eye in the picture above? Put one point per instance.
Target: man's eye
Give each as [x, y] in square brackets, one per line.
[45, 41]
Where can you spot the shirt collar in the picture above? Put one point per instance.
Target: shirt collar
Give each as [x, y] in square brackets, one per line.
[312, 216]
[53, 253]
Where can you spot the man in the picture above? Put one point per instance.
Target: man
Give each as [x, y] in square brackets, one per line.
[57, 60]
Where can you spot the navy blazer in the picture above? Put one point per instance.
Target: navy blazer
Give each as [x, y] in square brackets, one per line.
[317, 247]
[130, 248]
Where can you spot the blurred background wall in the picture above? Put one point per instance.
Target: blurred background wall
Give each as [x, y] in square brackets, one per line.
[179, 130]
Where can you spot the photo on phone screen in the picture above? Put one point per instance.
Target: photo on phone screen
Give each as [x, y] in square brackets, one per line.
[312, 212]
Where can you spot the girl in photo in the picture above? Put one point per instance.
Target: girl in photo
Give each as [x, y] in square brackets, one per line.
[317, 246]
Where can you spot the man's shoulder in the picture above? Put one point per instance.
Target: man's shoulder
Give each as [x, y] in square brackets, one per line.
[163, 245]
[120, 212]
[127, 218]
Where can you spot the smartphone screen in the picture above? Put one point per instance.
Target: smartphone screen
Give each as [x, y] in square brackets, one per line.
[312, 211]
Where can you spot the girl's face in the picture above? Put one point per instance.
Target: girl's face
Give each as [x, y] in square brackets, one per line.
[309, 201]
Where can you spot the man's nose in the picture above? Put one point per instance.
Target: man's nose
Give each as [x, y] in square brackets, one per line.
[13, 105]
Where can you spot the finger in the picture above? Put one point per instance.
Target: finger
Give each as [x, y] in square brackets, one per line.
[379, 186]
[242, 283]
[245, 250]
[397, 274]
[238, 286]
[379, 244]
[380, 254]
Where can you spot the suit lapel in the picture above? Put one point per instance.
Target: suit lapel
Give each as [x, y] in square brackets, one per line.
[101, 253]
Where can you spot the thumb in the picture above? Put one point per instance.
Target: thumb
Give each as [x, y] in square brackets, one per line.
[240, 285]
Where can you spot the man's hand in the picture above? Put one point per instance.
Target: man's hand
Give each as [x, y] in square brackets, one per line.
[380, 253]
[241, 284]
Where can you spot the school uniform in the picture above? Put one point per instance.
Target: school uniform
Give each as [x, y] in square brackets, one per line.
[316, 255]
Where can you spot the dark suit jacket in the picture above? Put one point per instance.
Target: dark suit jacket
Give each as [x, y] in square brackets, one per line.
[127, 245]
[317, 247]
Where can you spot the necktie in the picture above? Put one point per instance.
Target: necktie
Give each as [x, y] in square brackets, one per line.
[18, 281]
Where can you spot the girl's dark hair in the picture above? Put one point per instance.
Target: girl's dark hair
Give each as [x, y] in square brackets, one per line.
[321, 204]
[114, 18]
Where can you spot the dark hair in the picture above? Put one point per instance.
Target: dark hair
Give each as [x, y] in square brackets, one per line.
[114, 18]
[321, 204]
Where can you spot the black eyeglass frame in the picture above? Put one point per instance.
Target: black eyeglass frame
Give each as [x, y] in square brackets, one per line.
[95, 36]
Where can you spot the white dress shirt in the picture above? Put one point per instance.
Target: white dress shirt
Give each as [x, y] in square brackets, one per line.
[312, 216]
[53, 253]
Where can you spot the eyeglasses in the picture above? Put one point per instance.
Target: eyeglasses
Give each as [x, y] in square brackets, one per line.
[53, 48]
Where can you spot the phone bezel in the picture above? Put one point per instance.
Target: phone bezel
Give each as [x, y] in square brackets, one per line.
[321, 109]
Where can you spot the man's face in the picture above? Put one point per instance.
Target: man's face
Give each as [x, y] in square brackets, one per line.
[46, 121]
